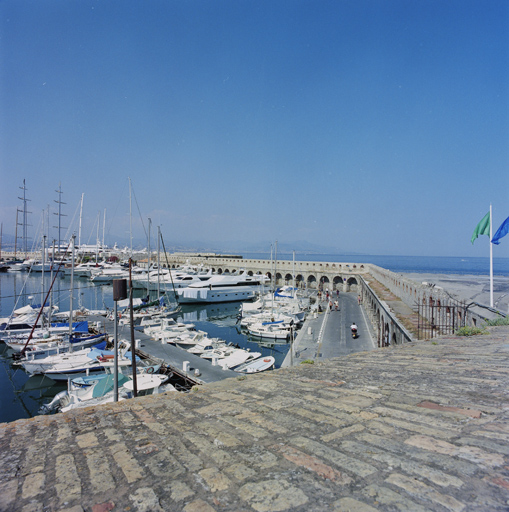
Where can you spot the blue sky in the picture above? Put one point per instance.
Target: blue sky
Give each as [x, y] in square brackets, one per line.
[372, 126]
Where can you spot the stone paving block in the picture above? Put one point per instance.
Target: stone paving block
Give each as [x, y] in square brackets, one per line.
[271, 496]
[221, 438]
[240, 472]
[179, 491]
[453, 465]
[351, 505]
[198, 506]
[470, 453]
[391, 461]
[126, 462]
[415, 488]
[209, 449]
[356, 467]
[312, 463]
[163, 464]
[101, 479]
[145, 499]
[67, 481]
[33, 485]
[386, 498]
[215, 480]
[8, 492]
[188, 459]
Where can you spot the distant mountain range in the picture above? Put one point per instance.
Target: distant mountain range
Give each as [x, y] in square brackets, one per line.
[230, 247]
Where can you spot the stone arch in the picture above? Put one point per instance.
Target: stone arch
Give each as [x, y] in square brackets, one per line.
[288, 278]
[279, 278]
[324, 282]
[386, 335]
[337, 283]
[311, 281]
[352, 284]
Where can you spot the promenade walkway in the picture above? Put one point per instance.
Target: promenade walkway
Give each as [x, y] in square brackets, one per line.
[417, 427]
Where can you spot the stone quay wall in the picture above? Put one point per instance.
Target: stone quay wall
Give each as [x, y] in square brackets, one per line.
[414, 294]
[308, 274]
[386, 326]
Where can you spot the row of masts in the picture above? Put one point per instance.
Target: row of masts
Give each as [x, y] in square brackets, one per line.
[22, 224]
[82, 249]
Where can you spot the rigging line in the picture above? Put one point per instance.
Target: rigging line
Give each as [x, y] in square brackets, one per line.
[45, 299]
[70, 228]
[169, 269]
[139, 212]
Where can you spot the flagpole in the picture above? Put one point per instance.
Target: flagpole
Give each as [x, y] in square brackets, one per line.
[491, 258]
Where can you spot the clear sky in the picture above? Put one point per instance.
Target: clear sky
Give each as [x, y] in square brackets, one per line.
[373, 126]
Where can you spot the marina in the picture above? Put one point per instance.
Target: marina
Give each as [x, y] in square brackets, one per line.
[27, 394]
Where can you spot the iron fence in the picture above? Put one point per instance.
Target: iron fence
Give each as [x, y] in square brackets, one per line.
[436, 318]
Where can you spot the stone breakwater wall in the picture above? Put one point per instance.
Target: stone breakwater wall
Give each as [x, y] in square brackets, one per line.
[435, 299]
[387, 327]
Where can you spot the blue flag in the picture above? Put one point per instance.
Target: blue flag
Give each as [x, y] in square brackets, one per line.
[501, 232]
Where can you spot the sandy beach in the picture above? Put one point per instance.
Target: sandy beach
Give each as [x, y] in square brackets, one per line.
[469, 288]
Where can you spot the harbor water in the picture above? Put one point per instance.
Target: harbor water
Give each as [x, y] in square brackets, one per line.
[22, 396]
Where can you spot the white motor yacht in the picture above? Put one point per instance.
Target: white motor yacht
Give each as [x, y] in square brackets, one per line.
[223, 288]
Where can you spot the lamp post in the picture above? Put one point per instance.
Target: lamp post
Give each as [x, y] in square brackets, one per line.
[119, 293]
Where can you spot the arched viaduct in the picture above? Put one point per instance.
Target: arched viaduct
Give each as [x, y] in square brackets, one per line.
[308, 274]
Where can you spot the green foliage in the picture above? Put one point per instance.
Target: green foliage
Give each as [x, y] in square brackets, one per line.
[470, 331]
[500, 320]
[307, 361]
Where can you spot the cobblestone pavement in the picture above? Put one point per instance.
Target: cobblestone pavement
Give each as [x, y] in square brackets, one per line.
[409, 428]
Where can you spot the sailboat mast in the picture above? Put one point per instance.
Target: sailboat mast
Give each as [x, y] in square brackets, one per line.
[25, 220]
[81, 215]
[60, 214]
[131, 217]
[16, 235]
[159, 261]
[148, 258]
[97, 238]
[71, 295]
[104, 227]
[43, 263]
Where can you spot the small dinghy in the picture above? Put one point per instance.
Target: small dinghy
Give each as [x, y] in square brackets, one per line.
[256, 365]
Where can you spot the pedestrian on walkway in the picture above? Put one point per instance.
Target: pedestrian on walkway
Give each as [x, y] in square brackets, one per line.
[359, 299]
[336, 304]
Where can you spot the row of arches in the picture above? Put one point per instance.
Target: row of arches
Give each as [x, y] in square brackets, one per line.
[302, 280]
